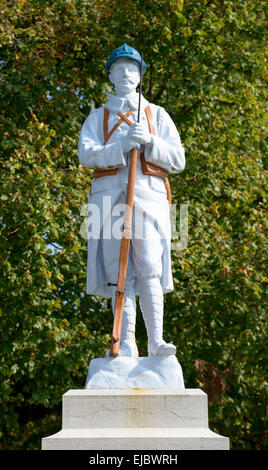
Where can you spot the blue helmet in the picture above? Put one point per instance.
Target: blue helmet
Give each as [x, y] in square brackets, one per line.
[125, 52]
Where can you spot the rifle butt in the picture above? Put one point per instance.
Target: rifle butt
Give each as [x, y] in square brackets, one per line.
[117, 326]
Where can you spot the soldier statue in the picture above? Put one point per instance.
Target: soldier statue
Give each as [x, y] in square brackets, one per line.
[107, 137]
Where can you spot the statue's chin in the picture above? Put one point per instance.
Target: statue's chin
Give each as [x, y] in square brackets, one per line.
[125, 90]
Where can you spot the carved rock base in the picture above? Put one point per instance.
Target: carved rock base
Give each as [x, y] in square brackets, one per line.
[141, 372]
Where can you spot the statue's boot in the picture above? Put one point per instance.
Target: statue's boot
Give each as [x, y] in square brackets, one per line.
[128, 346]
[152, 307]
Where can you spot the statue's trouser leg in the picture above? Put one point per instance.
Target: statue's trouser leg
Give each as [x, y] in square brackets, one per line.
[128, 345]
[152, 306]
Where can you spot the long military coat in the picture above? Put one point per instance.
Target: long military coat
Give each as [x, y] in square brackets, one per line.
[150, 245]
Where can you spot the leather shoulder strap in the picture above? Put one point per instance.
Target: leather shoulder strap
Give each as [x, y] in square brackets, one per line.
[149, 116]
[124, 117]
[105, 123]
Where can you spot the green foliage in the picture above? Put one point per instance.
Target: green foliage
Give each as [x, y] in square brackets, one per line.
[206, 66]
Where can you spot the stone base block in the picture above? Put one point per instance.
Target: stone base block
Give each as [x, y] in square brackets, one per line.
[135, 419]
[136, 439]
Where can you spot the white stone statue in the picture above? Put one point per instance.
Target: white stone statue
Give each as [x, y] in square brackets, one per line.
[149, 273]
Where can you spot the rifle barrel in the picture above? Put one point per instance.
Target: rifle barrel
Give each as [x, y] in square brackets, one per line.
[140, 89]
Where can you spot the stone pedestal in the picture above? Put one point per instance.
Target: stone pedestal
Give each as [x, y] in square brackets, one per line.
[135, 404]
[135, 419]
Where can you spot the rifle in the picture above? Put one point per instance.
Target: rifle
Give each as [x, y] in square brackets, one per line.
[125, 243]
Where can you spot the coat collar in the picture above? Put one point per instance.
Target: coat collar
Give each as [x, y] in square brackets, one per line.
[116, 103]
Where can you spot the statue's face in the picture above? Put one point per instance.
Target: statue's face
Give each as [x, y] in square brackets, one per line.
[125, 76]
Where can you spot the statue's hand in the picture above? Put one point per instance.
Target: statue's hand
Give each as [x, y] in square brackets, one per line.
[140, 134]
[128, 143]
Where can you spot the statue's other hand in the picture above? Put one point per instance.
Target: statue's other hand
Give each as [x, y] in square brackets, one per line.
[128, 143]
[140, 134]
